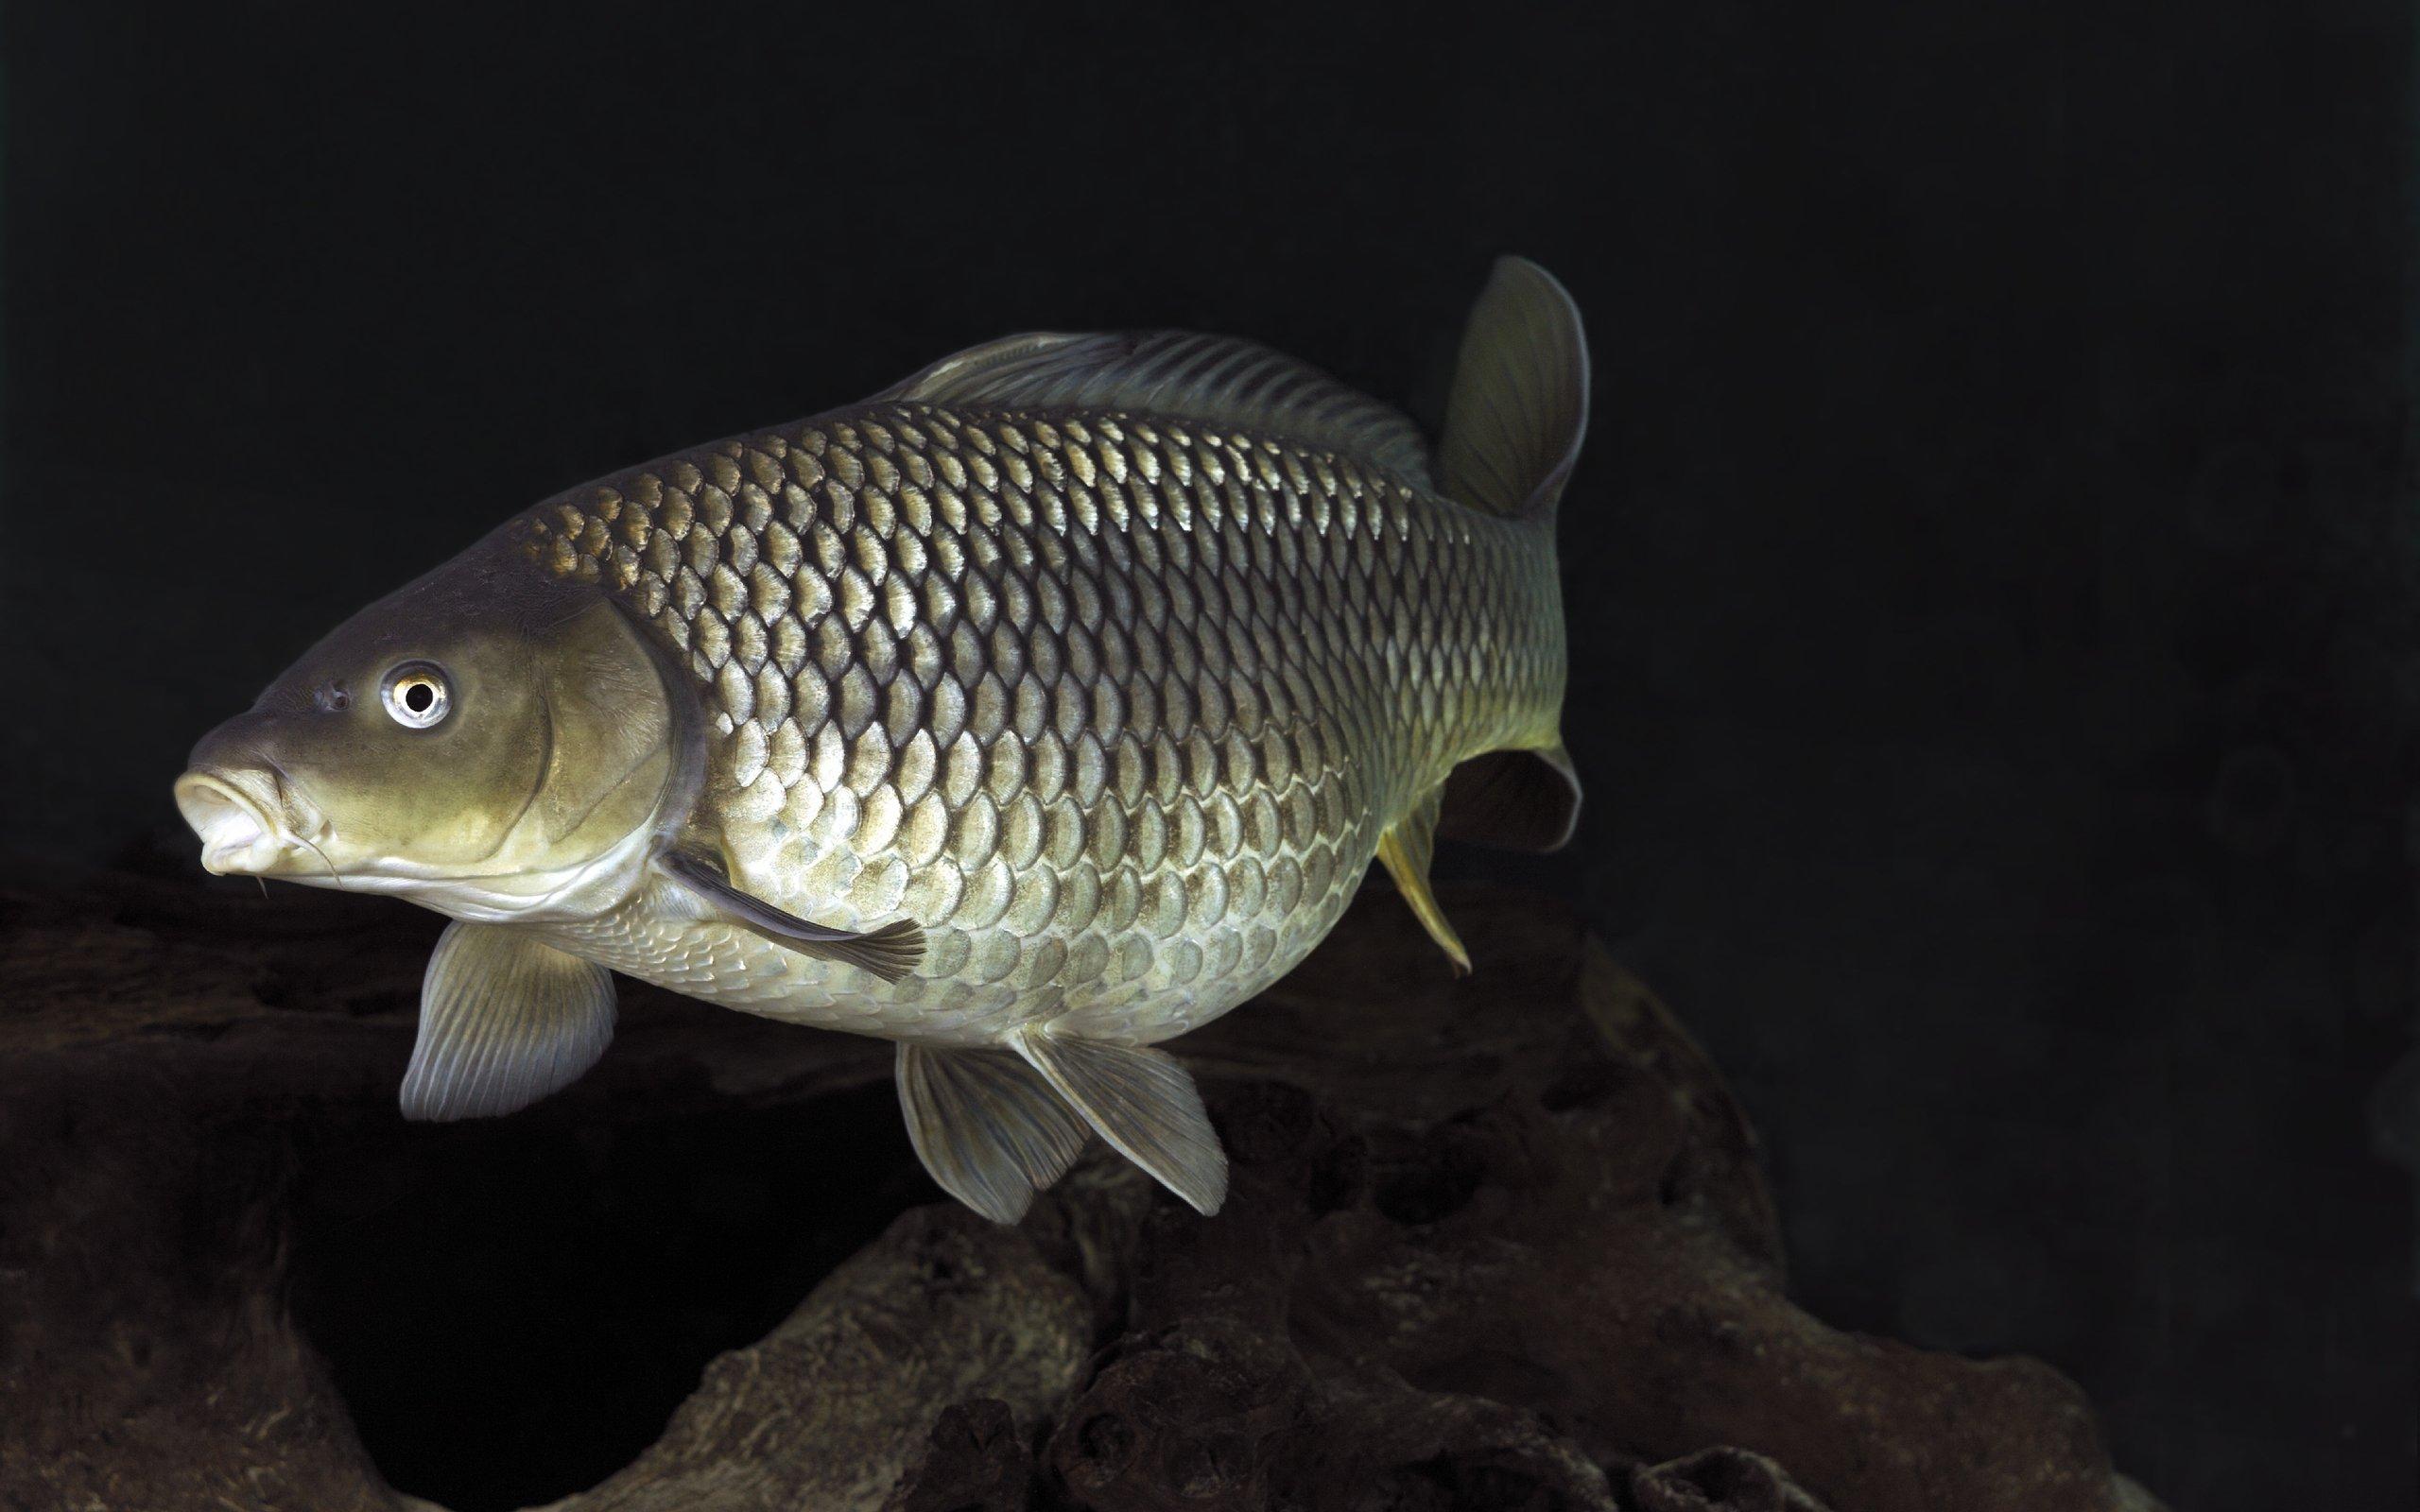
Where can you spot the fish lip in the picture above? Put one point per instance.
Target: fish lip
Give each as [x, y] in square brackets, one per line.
[240, 834]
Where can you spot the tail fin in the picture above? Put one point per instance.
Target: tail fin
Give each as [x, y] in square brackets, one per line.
[1513, 429]
[1520, 400]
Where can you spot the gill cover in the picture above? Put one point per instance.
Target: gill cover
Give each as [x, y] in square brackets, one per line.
[471, 739]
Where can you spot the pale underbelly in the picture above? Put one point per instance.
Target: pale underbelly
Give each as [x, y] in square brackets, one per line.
[1153, 960]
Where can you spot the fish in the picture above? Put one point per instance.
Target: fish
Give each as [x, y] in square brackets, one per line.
[1036, 710]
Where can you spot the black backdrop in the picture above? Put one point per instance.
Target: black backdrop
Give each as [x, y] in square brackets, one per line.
[1991, 575]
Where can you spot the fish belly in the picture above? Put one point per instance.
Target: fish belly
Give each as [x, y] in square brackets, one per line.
[1115, 707]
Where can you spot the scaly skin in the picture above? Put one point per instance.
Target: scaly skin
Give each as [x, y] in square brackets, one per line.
[1115, 706]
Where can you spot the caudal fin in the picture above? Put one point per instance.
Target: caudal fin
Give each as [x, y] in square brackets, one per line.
[1514, 425]
[1519, 405]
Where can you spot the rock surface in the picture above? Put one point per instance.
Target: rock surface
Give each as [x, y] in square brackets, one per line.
[1494, 1244]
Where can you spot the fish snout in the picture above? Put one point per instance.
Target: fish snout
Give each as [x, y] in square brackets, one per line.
[232, 797]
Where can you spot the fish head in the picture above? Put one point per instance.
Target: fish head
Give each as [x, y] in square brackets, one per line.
[483, 736]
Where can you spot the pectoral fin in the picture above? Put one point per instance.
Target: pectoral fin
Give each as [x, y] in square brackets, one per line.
[1406, 848]
[890, 953]
[1144, 1103]
[986, 1125]
[504, 1020]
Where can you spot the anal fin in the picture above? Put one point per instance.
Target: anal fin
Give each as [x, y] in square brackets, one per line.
[505, 1018]
[1144, 1103]
[987, 1126]
[1406, 848]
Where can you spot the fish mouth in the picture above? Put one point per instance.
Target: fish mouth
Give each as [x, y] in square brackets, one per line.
[240, 835]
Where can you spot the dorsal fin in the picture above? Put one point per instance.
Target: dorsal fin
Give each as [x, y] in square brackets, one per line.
[1519, 405]
[1216, 380]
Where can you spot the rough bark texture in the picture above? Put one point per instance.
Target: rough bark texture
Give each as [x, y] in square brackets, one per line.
[1496, 1244]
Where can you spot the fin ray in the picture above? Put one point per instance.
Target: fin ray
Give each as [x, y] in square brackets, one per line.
[889, 951]
[504, 1020]
[1406, 848]
[987, 1126]
[1142, 1101]
[1217, 379]
[1514, 799]
[1519, 405]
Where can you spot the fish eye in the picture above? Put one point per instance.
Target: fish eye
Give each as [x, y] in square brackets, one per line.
[416, 695]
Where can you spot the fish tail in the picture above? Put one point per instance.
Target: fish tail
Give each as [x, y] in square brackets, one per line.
[1519, 405]
[1513, 424]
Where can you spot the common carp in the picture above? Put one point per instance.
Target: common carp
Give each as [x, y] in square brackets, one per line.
[1028, 714]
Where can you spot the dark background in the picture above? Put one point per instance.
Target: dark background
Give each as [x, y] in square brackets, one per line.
[1992, 573]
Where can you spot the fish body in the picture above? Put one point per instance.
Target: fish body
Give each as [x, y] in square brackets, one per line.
[1029, 713]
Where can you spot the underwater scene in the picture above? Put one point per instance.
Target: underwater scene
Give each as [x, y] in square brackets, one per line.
[1539, 760]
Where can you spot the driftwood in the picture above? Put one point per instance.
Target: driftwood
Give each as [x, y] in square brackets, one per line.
[1495, 1243]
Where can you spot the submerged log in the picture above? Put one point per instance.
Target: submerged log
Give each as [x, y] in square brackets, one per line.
[1497, 1242]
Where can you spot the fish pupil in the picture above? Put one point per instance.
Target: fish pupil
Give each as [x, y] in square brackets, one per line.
[418, 698]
